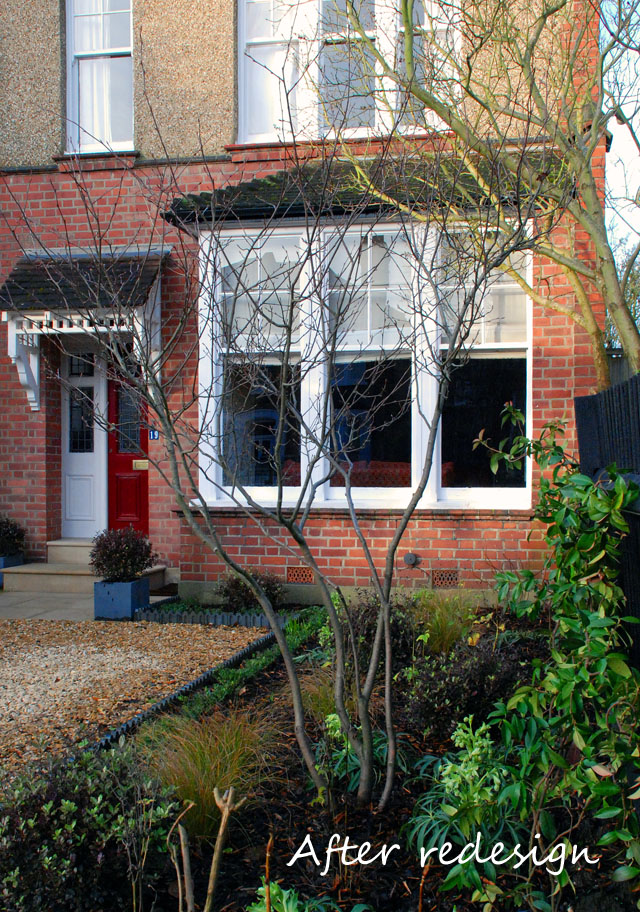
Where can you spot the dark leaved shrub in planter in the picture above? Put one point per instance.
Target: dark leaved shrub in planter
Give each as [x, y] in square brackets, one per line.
[238, 597]
[11, 544]
[121, 556]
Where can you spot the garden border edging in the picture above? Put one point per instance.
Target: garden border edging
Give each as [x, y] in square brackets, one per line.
[152, 614]
[128, 727]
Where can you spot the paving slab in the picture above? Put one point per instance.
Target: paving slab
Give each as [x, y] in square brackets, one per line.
[53, 606]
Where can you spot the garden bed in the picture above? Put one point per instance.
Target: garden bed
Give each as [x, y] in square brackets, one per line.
[64, 681]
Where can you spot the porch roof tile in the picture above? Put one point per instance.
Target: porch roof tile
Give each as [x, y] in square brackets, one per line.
[76, 281]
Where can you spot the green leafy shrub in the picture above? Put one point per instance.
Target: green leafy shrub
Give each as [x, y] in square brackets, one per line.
[239, 597]
[570, 740]
[88, 835]
[468, 794]
[12, 537]
[121, 555]
[364, 609]
[443, 689]
[192, 757]
[283, 900]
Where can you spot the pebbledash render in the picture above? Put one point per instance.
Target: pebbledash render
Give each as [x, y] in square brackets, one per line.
[123, 123]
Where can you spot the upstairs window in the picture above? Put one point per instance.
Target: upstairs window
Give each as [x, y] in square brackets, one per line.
[99, 76]
[306, 71]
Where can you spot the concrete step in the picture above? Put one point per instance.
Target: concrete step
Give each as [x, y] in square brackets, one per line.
[75, 579]
[69, 551]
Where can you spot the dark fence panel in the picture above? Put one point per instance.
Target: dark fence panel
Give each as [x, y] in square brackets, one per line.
[609, 432]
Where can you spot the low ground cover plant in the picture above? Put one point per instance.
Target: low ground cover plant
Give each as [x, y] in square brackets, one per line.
[89, 834]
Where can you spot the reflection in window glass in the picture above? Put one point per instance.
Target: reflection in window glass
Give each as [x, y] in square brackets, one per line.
[128, 420]
[81, 365]
[81, 420]
[252, 415]
[478, 393]
[369, 287]
[347, 84]
[258, 281]
[372, 421]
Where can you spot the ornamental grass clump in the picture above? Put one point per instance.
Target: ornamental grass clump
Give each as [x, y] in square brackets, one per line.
[121, 555]
[444, 619]
[11, 537]
[195, 756]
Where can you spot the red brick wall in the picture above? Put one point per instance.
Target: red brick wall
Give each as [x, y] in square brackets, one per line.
[476, 543]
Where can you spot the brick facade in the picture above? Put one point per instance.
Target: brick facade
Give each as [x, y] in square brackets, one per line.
[121, 198]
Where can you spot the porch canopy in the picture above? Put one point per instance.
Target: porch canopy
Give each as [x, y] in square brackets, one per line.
[374, 186]
[54, 292]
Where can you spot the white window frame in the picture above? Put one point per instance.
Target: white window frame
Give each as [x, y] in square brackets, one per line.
[304, 41]
[423, 395]
[78, 139]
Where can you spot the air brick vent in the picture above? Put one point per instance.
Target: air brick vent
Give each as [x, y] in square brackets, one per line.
[444, 578]
[299, 575]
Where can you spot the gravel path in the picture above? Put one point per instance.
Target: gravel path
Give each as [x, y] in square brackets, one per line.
[62, 681]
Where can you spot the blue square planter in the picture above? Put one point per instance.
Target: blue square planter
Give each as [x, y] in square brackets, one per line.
[10, 560]
[119, 601]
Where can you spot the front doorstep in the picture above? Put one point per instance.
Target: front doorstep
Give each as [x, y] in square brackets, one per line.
[119, 601]
[9, 560]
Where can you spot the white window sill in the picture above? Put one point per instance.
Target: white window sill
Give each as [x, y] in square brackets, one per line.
[490, 499]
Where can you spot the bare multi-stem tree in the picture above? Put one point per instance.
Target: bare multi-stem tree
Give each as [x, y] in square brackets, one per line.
[528, 91]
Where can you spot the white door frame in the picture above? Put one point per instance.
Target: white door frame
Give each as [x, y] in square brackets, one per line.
[84, 462]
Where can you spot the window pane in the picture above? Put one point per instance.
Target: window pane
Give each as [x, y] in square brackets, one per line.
[410, 111]
[87, 6]
[478, 393]
[252, 414]
[117, 30]
[347, 82]
[81, 365]
[106, 100]
[390, 290]
[88, 34]
[269, 70]
[128, 420]
[335, 18]
[505, 315]
[369, 287]
[81, 420]
[372, 422]
[259, 282]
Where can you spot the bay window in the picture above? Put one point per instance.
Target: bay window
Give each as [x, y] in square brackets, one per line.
[99, 76]
[314, 364]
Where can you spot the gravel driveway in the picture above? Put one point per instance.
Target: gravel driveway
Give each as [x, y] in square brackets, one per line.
[62, 681]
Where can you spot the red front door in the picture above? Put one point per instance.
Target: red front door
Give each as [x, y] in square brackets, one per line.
[128, 460]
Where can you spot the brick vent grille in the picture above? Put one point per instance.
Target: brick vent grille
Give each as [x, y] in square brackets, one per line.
[444, 579]
[299, 575]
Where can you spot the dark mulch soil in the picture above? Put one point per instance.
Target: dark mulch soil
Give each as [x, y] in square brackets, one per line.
[287, 811]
